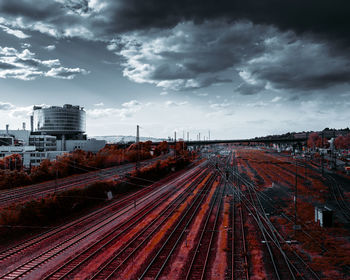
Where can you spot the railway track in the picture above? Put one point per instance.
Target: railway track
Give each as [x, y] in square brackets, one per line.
[59, 248]
[239, 259]
[160, 258]
[285, 262]
[299, 265]
[338, 195]
[13, 195]
[93, 217]
[43, 189]
[67, 269]
[198, 268]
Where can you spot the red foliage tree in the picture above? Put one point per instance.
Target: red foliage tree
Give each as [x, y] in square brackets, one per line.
[342, 142]
[313, 139]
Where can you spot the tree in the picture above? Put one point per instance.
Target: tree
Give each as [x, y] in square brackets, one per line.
[162, 147]
[342, 142]
[313, 140]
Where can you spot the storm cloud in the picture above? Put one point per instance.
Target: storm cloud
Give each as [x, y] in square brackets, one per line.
[254, 46]
[322, 17]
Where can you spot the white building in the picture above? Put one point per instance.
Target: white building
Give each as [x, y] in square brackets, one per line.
[30, 156]
[20, 134]
[89, 145]
[43, 143]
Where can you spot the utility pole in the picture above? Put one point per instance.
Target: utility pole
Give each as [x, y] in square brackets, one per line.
[56, 178]
[175, 144]
[295, 195]
[305, 164]
[137, 148]
[199, 136]
[188, 136]
[322, 155]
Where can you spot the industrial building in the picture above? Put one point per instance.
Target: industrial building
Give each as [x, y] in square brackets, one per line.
[43, 143]
[30, 156]
[19, 136]
[66, 122]
[54, 131]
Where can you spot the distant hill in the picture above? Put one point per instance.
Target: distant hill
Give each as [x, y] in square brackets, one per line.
[125, 139]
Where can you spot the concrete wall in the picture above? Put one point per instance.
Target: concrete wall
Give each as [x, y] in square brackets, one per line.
[90, 145]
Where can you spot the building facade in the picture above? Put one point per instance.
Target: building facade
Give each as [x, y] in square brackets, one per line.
[43, 143]
[29, 154]
[67, 122]
[54, 131]
[90, 145]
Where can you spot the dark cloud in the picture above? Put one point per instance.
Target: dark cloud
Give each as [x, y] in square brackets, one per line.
[38, 10]
[293, 98]
[330, 18]
[191, 56]
[78, 6]
[5, 66]
[185, 45]
[320, 16]
[302, 64]
[249, 89]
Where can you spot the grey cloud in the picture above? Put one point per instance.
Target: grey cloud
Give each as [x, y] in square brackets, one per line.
[65, 73]
[25, 66]
[5, 106]
[171, 103]
[57, 18]
[302, 64]
[39, 10]
[293, 98]
[78, 6]
[183, 45]
[294, 15]
[191, 56]
[249, 89]
[25, 45]
[50, 47]
[17, 33]
[23, 8]
[108, 18]
[4, 65]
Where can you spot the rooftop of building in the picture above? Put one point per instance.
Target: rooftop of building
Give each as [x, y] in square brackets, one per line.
[65, 106]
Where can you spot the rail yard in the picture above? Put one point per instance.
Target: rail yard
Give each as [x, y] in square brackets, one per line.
[233, 214]
[41, 190]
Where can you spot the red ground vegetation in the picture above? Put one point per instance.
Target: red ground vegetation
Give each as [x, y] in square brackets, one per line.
[326, 249]
[256, 254]
[12, 174]
[50, 209]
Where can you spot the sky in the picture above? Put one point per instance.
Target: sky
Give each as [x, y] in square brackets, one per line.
[239, 68]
